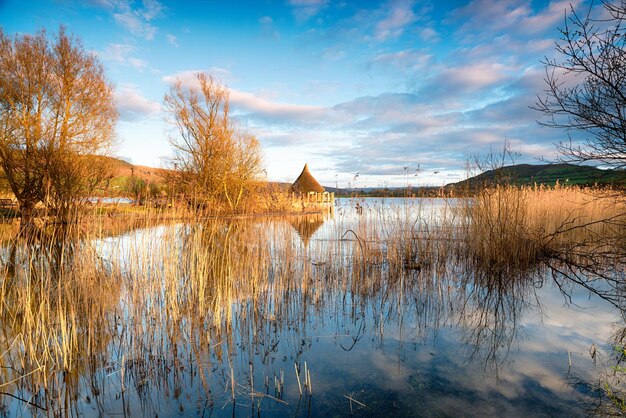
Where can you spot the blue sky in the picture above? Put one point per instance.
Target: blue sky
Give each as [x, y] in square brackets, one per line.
[374, 88]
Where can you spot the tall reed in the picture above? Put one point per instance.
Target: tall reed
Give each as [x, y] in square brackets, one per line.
[515, 227]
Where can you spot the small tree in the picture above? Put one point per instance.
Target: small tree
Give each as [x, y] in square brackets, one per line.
[56, 114]
[213, 160]
[586, 86]
[136, 188]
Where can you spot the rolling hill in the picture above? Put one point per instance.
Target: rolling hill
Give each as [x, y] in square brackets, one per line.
[122, 170]
[548, 174]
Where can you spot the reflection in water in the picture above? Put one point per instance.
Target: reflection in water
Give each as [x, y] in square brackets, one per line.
[306, 225]
[607, 389]
[215, 319]
[56, 314]
[490, 308]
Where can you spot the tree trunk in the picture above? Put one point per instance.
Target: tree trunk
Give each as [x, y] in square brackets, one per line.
[27, 209]
[28, 229]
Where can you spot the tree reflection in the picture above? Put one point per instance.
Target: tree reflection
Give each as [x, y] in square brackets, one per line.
[598, 265]
[490, 306]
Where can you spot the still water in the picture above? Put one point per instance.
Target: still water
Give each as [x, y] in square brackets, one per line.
[313, 330]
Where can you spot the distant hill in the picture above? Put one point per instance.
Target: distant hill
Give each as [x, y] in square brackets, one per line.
[123, 168]
[548, 174]
[337, 191]
[122, 172]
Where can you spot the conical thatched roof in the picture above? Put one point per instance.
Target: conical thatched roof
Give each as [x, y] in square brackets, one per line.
[306, 183]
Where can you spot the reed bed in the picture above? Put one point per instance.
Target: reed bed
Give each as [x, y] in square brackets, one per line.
[132, 308]
[509, 227]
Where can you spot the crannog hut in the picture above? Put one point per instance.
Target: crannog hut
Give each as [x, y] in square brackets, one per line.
[306, 183]
[308, 194]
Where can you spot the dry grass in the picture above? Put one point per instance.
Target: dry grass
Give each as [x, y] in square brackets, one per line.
[516, 227]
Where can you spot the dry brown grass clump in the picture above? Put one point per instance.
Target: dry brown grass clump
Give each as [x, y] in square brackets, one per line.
[514, 227]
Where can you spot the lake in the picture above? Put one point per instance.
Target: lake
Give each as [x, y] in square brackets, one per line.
[306, 315]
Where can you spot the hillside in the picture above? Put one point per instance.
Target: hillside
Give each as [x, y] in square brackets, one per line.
[548, 174]
[123, 172]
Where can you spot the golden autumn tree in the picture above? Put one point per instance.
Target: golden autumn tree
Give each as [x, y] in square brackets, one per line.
[214, 162]
[56, 117]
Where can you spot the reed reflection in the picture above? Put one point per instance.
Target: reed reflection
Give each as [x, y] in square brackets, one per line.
[57, 300]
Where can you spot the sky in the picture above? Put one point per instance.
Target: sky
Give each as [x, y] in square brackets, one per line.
[369, 94]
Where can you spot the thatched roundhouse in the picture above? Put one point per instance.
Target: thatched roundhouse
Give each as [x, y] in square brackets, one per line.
[306, 183]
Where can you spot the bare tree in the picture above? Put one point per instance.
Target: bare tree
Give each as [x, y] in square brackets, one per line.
[56, 115]
[214, 161]
[23, 98]
[586, 86]
[84, 100]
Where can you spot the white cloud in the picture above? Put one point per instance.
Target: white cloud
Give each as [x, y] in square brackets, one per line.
[468, 83]
[429, 34]
[117, 52]
[107, 4]
[137, 63]
[132, 105]
[121, 54]
[549, 18]
[333, 53]
[189, 78]
[137, 20]
[151, 9]
[399, 16]
[263, 108]
[253, 106]
[303, 10]
[388, 21]
[488, 16]
[267, 27]
[135, 25]
[474, 76]
[410, 59]
[172, 40]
